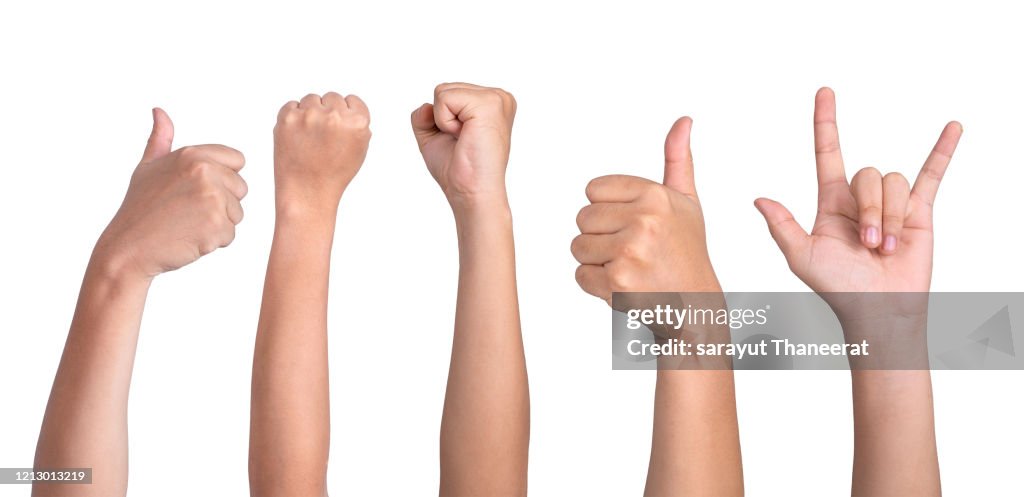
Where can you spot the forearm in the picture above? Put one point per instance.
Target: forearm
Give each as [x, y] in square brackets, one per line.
[290, 417]
[894, 428]
[894, 434]
[695, 449]
[485, 425]
[86, 421]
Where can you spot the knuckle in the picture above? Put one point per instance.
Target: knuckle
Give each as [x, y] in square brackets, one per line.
[287, 110]
[631, 251]
[619, 279]
[868, 172]
[896, 179]
[932, 173]
[493, 97]
[892, 220]
[502, 96]
[358, 120]
[213, 218]
[871, 211]
[648, 224]
[334, 119]
[311, 118]
[289, 118]
[210, 202]
[188, 152]
[199, 169]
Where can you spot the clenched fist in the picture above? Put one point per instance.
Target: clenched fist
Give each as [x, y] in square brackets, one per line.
[180, 205]
[465, 137]
[319, 146]
[641, 236]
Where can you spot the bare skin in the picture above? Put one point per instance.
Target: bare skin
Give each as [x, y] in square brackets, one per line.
[638, 235]
[874, 235]
[180, 206]
[319, 146]
[465, 139]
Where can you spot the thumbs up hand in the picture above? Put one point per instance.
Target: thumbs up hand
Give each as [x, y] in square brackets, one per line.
[180, 206]
[465, 137]
[873, 234]
[638, 235]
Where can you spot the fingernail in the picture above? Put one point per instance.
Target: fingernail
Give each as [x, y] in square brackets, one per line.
[872, 236]
[890, 244]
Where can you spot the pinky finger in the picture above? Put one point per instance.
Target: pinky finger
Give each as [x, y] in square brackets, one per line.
[593, 279]
[927, 184]
[227, 235]
[287, 108]
[355, 103]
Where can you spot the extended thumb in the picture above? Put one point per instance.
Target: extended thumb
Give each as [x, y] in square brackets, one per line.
[160, 139]
[678, 158]
[791, 238]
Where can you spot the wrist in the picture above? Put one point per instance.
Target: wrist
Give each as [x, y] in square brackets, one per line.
[893, 343]
[469, 207]
[703, 282]
[308, 195]
[306, 208]
[117, 267]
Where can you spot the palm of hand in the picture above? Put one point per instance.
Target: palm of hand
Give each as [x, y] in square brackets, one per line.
[837, 260]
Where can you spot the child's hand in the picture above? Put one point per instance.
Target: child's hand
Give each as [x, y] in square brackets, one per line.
[643, 236]
[874, 235]
[465, 137]
[319, 145]
[180, 206]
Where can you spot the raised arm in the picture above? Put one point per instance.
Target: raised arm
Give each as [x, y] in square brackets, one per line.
[319, 145]
[638, 235]
[180, 206]
[872, 237]
[464, 137]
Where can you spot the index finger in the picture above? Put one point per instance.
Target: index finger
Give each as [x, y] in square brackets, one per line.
[221, 154]
[458, 84]
[926, 186]
[617, 188]
[454, 106]
[827, 154]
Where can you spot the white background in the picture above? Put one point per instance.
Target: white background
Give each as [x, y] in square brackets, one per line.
[598, 86]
